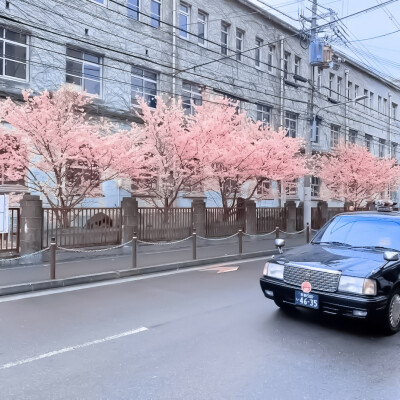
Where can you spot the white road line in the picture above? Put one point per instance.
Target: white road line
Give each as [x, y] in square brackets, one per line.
[72, 348]
[49, 292]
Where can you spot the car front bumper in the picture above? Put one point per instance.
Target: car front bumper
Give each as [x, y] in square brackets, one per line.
[330, 303]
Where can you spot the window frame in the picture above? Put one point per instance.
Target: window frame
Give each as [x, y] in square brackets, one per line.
[331, 79]
[353, 136]
[257, 53]
[131, 10]
[144, 79]
[270, 60]
[3, 58]
[225, 46]
[286, 64]
[83, 62]
[187, 16]
[205, 27]
[154, 17]
[368, 142]
[291, 117]
[239, 38]
[335, 135]
[318, 123]
[339, 83]
[190, 93]
[381, 147]
[315, 184]
[103, 4]
[297, 65]
[264, 109]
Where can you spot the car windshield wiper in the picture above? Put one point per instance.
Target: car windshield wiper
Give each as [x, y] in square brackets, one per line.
[375, 248]
[334, 243]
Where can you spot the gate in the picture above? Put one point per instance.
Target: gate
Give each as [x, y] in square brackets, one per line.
[10, 241]
[269, 218]
[80, 227]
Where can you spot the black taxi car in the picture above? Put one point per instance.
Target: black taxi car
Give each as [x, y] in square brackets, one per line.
[350, 268]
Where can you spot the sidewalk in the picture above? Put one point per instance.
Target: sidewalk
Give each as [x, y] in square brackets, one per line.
[70, 264]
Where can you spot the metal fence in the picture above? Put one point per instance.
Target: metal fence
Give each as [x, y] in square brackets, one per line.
[159, 224]
[82, 226]
[220, 223]
[10, 241]
[269, 218]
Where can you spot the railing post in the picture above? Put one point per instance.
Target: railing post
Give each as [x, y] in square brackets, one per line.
[134, 250]
[194, 243]
[308, 232]
[277, 232]
[53, 247]
[240, 236]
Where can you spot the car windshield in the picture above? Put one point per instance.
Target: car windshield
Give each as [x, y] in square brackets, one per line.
[362, 231]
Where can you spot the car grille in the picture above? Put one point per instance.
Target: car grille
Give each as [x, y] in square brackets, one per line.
[320, 280]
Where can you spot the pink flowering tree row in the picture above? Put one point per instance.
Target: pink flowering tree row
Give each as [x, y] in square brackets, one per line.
[67, 155]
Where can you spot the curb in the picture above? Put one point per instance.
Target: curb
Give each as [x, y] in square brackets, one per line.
[104, 276]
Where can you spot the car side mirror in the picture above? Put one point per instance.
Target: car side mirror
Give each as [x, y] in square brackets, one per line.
[279, 243]
[391, 256]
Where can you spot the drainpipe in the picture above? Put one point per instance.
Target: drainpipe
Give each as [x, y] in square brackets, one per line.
[346, 106]
[174, 11]
[390, 123]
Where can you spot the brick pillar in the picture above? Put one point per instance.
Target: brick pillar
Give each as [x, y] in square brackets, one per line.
[31, 224]
[199, 217]
[322, 212]
[290, 216]
[250, 217]
[130, 218]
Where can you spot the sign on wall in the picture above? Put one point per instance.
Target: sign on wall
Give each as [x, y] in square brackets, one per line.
[4, 213]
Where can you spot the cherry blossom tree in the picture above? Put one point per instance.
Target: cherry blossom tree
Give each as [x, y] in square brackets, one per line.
[352, 173]
[68, 155]
[167, 161]
[239, 155]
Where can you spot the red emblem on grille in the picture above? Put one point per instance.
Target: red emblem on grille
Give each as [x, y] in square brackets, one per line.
[306, 287]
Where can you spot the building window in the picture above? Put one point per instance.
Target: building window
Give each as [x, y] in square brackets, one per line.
[239, 44]
[271, 51]
[102, 2]
[315, 138]
[366, 99]
[184, 20]
[257, 54]
[155, 13]
[371, 101]
[331, 78]
[379, 104]
[368, 142]
[315, 186]
[264, 188]
[13, 54]
[339, 87]
[202, 28]
[230, 186]
[394, 111]
[319, 78]
[191, 96]
[84, 71]
[286, 62]
[349, 94]
[297, 65]
[385, 107]
[356, 91]
[133, 9]
[335, 135]
[382, 144]
[291, 188]
[353, 136]
[394, 150]
[291, 124]
[264, 114]
[224, 38]
[144, 84]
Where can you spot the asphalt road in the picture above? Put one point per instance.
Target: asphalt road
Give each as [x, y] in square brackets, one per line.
[188, 335]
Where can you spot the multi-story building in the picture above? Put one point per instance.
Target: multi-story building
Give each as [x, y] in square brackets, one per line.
[118, 49]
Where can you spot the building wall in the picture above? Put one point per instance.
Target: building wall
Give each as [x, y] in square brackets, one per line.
[123, 42]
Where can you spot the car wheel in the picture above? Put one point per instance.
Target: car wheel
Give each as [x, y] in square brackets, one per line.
[392, 313]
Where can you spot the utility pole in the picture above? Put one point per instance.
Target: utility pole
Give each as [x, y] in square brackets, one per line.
[307, 178]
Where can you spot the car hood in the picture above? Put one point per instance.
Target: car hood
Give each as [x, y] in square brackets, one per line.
[351, 262]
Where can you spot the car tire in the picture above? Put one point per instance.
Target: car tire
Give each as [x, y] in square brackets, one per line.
[391, 317]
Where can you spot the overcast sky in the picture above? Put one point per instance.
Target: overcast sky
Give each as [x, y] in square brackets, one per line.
[382, 54]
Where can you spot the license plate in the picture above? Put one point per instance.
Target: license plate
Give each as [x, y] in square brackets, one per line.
[306, 299]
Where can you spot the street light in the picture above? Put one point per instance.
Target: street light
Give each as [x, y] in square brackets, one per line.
[307, 179]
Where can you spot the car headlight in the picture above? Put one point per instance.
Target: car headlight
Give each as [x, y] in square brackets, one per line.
[273, 270]
[357, 285]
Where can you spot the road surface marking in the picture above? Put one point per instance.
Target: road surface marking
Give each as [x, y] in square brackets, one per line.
[72, 348]
[220, 269]
[49, 292]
